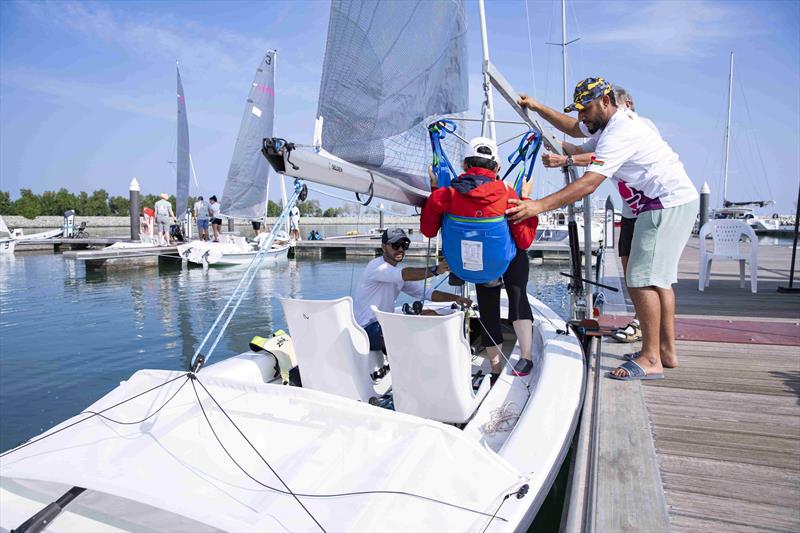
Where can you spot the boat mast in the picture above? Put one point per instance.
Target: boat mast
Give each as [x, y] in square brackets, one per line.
[488, 105]
[274, 117]
[727, 137]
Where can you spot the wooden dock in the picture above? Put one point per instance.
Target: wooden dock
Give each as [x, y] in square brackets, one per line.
[716, 445]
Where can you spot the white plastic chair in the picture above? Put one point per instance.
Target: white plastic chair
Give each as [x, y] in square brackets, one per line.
[332, 349]
[726, 235]
[431, 366]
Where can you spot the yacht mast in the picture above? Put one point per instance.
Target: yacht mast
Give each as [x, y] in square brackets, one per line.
[727, 137]
[488, 106]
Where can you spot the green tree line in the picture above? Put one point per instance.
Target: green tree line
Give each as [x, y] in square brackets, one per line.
[99, 203]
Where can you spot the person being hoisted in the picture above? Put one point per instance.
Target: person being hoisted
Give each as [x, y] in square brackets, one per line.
[477, 241]
[482, 247]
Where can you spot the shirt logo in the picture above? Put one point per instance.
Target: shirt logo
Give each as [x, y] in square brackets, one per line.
[597, 162]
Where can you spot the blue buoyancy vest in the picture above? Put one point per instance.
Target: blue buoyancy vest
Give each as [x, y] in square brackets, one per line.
[478, 250]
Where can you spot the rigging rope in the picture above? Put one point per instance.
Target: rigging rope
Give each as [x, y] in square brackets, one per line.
[441, 166]
[525, 154]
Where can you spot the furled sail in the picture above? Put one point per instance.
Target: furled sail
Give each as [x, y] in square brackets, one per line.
[184, 164]
[245, 190]
[390, 69]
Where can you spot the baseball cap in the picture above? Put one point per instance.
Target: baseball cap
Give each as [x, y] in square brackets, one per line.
[482, 147]
[393, 235]
[165, 196]
[586, 91]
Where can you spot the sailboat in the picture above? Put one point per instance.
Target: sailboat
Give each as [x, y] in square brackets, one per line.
[741, 210]
[247, 184]
[227, 446]
[9, 239]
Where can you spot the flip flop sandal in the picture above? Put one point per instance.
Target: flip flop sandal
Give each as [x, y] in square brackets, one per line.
[631, 356]
[635, 372]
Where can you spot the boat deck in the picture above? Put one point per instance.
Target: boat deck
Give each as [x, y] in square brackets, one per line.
[716, 445]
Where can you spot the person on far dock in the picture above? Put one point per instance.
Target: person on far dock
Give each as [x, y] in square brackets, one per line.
[216, 218]
[164, 216]
[202, 211]
[294, 224]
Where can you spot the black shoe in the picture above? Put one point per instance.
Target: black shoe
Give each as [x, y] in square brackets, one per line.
[493, 378]
[523, 367]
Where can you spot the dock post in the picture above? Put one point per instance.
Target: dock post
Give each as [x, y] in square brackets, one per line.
[134, 209]
[705, 194]
[380, 218]
[230, 224]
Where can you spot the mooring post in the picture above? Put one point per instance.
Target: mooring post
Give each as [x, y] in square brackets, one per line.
[134, 209]
[705, 194]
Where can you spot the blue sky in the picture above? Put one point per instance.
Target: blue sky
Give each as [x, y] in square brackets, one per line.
[87, 89]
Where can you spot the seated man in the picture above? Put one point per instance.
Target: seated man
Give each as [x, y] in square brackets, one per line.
[382, 281]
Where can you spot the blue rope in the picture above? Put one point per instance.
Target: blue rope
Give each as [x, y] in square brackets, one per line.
[441, 165]
[526, 154]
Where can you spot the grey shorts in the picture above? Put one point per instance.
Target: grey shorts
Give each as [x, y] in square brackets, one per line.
[658, 240]
[163, 222]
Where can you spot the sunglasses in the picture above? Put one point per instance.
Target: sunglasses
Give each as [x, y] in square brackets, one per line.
[397, 245]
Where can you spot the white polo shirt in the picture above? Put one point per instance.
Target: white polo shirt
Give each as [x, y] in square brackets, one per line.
[380, 285]
[647, 172]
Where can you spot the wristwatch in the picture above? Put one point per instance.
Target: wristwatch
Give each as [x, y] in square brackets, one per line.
[569, 161]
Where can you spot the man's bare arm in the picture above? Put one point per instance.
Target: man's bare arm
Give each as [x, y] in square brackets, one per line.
[562, 122]
[576, 190]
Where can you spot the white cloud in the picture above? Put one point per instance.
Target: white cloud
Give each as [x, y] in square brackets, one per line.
[669, 27]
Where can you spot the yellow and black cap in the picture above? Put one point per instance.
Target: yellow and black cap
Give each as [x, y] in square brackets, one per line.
[586, 91]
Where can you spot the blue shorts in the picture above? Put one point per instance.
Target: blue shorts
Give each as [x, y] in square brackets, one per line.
[375, 334]
[202, 224]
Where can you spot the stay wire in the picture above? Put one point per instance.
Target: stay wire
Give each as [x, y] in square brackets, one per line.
[502, 502]
[211, 426]
[297, 495]
[34, 441]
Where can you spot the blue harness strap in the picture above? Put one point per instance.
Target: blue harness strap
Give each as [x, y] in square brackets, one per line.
[441, 165]
[526, 154]
[478, 250]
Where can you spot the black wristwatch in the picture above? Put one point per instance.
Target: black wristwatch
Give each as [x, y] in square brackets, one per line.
[434, 269]
[569, 161]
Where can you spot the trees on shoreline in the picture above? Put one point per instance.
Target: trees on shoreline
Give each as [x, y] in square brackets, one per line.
[99, 203]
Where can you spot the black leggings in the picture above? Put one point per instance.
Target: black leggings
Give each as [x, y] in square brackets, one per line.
[516, 283]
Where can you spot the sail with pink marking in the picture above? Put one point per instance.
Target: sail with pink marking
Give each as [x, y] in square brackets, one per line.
[245, 191]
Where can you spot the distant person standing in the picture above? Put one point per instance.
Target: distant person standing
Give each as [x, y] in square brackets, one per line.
[164, 215]
[216, 219]
[294, 224]
[202, 211]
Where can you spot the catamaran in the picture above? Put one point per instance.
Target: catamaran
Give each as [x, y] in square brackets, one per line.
[247, 184]
[423, 444]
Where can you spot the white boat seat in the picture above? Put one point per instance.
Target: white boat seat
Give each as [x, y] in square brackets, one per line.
[431, 366]
[726, 235]
[332, 350]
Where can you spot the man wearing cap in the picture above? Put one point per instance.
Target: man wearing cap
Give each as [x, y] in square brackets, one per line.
[477, 194]
[652, 181]
[581, 156]
[383, 280]
[164, 214]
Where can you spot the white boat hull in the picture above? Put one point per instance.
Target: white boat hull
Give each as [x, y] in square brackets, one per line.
[7, 246]
[169, 473]
[230, 253]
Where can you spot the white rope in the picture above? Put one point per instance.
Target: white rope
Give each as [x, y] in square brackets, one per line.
[502, 419]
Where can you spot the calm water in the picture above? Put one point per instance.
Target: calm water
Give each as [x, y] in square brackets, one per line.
[68, 336]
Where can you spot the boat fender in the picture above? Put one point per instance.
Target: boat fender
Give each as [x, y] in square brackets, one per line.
[281, 348]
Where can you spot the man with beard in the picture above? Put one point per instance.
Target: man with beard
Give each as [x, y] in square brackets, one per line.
[652, 181]
[383, 280]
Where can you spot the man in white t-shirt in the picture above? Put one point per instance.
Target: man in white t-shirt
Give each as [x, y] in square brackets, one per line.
[581, 156]
[382, 281]
[164, 215]
[652, 181]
